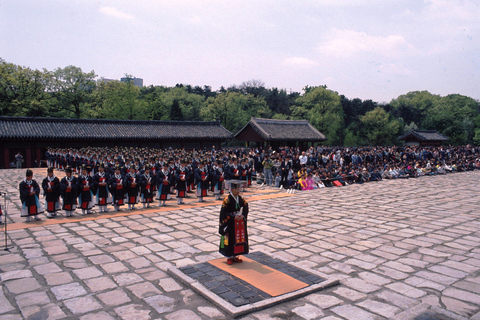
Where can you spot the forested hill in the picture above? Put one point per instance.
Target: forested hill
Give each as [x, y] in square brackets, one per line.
[71, 93]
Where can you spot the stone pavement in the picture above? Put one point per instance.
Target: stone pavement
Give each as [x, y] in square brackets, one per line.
[402, 249]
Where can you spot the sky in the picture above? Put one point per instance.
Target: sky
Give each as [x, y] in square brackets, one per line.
[367, 49]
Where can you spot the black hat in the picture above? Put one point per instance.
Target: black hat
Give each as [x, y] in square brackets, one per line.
[68, 169]
[234, 184]
[50, 169]
[29, 173]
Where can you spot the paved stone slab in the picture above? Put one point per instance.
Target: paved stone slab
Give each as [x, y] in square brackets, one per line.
[400, 249]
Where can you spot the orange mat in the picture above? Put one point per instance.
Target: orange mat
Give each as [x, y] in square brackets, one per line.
[262, 277]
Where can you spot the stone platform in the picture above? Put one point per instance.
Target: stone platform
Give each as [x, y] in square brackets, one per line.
[401, 249]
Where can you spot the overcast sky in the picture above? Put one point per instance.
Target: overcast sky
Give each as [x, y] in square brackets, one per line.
[368, 49]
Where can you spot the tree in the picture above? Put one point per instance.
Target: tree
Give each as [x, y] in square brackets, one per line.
[23, 91]
[176, 111]
[378, 129]
[233, 109]
[72, 88]
[322, 107]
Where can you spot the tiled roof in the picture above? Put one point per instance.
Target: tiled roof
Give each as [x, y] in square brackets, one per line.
[272, 129]
[424, 135]
[94, 129]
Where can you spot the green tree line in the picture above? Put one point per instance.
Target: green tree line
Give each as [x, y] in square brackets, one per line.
[72, 93]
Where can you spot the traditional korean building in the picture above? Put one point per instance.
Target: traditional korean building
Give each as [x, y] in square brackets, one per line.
[32, 136]
[275, 133]
[423, 138]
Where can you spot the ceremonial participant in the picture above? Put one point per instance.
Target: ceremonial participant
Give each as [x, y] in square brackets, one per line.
[181, 179]
[201, 181]
[116, 186]
[218, 179]
[85, 194]
[244, 168]
[164, 178]
[233, 224]
[51, 191]
[132, 185]
[29, 192]
[100, 185]
[68, 191]
[147, 183]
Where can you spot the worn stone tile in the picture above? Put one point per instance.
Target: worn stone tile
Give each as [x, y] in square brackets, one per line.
[133, 311]
[143, 289]
[22, 285]
[380, 308]
[354, 313]
[82, 304]
[100, 284]
[114, 298]
[67, 291]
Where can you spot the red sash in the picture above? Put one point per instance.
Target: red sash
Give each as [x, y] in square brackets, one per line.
[50, 206]
[239, 237]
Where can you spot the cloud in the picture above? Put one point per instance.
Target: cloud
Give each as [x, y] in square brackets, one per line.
[347, 43]
[299, 62]
[114, 12]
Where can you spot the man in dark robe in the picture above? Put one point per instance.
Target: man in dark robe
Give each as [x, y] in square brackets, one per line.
[233, 224]
[51, 191]
[29, 192]
[100, 188]
[68, 191]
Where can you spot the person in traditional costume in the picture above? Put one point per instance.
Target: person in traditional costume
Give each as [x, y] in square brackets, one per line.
[51, 191]
[100, 188]
[147, 183]
[133, 188]
[201, 181]
[68, 191]
[29, 192]
[244, 168]
[181, 179]
[233, 224]
[218, 180]
[85, 194]
[116, 186]
[164, 179]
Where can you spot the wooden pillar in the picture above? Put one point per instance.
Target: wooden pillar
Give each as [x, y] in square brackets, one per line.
[6, 158]
[28, 158]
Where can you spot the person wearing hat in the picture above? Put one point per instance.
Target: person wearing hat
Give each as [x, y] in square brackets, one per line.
[68, 191]
[29, 192]
[100, 188]
[147, 183]
[201, 181]
[132, 185]
[51, 191]
[181, 179]
[233, 224]
[218, 180]
[164, 179]
[116, 187]
[85, 194]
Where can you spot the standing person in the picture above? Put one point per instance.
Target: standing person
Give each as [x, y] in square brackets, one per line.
[116, 186]
[19, 160]
[85, 194]
[181, 179]
[267, 170]
[147, 181]
[132, 185]
[233, 224]
[163, 181]
[218, 180]
[29, 192]
[51, 191]
[201, 181]
[68, 191]
[100, 186]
